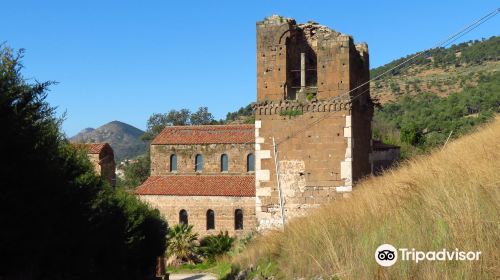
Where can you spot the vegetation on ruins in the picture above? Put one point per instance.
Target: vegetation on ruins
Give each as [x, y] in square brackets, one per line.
[59, 220]
[291, 113]
[451, 196]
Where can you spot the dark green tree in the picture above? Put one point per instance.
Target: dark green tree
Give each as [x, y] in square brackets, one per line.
[58, 219]
[410, 134]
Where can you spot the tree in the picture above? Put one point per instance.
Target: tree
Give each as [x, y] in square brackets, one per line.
[246, 111]
[180, 117]
[136, 172]
[59, 219]
[410, 134]
[157, 122]
[201, 117]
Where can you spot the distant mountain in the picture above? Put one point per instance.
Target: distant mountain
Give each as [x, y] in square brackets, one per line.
[123, 138]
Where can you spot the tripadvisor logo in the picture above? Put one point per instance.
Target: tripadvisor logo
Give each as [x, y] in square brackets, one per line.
[387, 255]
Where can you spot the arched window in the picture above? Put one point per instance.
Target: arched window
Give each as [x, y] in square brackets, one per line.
[250, 162]
[210, 219]
[238, 219]
[223, 163]
[198, 163]
[183, 217]
[173, 163]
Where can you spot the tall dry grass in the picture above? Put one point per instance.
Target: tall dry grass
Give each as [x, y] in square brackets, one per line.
[448, 199]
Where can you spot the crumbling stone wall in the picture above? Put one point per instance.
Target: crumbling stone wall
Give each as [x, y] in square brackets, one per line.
[322, 127]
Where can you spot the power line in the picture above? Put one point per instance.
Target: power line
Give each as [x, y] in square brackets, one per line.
[449, 40]
[443, 43]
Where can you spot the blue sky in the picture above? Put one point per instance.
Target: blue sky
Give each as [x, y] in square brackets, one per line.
[125, 60]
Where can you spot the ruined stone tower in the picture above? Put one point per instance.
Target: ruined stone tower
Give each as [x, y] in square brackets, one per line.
[311, 102]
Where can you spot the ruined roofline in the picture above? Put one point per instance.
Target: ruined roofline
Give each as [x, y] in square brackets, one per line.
[310, 28]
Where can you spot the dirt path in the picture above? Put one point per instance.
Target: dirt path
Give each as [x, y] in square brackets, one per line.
[192, 276]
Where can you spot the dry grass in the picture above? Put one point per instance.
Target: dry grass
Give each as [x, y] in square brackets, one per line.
[448, 199]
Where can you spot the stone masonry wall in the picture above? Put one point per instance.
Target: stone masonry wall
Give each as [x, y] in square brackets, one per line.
[324, 147]
[104, 166]
[197, 207]
[94, 159]
[280, 42]
[310, 166]
[237, 158]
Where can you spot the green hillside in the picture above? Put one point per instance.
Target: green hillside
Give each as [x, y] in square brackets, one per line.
[441, 71]
[443, 94]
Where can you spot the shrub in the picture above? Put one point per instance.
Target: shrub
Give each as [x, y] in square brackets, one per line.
[216, 245]
[181, 244]
[410, 134]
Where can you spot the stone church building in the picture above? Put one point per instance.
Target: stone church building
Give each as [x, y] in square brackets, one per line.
[310, 143]
[204, 176]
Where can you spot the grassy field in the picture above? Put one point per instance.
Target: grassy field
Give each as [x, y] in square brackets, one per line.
[447, 199]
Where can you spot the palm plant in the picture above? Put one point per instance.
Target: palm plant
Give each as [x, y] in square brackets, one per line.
[181, 244]
[216, 245]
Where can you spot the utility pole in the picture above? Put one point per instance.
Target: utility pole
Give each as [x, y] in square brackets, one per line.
[276, 164]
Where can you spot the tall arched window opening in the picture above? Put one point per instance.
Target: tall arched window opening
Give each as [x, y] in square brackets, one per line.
[183, 217]
[250, 162]
[173, 163]
[224, 163]
[238, 219]
[210, 219]
[198, 163]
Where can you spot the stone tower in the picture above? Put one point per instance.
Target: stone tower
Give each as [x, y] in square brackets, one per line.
[311, 103]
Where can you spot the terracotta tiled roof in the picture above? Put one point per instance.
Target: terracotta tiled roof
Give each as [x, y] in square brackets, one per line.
[206, 134]
[199, 185]
[92, 148]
